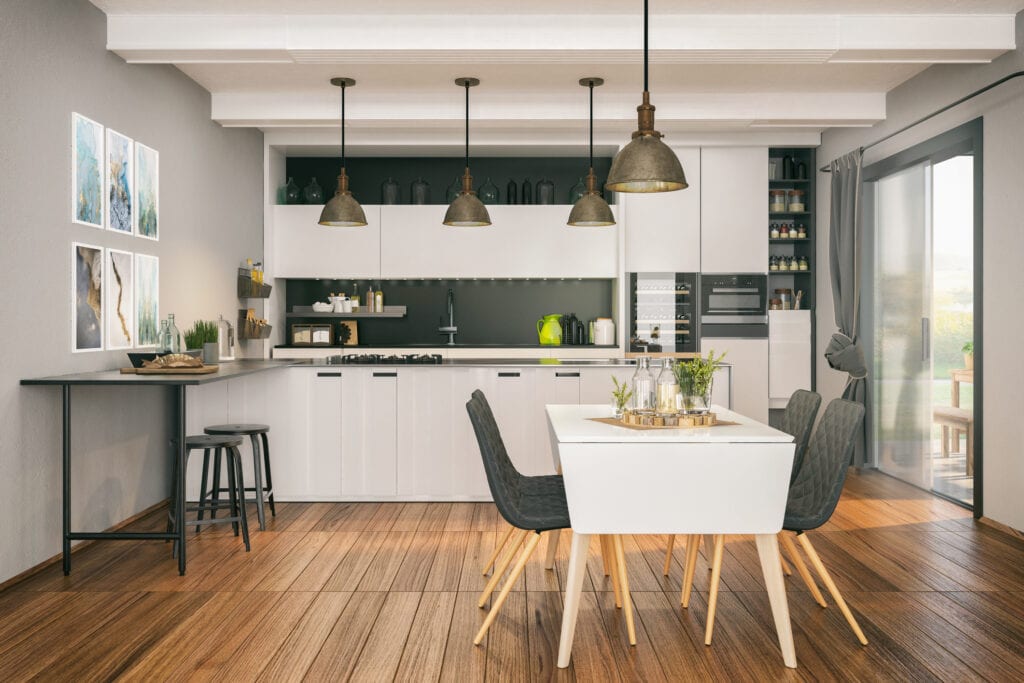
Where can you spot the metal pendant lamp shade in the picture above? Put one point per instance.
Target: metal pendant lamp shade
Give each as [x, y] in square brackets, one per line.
[646, 164]
[591, 210]
[342, 210]
[466, 210]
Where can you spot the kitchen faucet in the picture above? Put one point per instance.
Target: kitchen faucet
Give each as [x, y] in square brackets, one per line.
[450, 329]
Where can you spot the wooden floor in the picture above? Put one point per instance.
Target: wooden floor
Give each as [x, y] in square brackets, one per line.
[375, 592]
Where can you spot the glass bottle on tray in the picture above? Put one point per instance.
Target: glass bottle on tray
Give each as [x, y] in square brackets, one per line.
[643, 387]
[668, 390]
[174, 336]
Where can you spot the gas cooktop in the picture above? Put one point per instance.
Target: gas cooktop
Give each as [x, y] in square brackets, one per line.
[379, 359]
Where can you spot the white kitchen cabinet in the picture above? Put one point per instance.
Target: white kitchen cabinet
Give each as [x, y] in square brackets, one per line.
[522, 241]
[511, 394]
[596, 384]
[734, 210]
[303, 249]
[551, 385]
[749, 361]
[663, 229]
[369, 432]
[322, 472]
[789, 355]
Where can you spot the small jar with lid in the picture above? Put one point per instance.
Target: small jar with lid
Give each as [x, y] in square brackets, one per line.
[785, 298]
[775, 305]
[784, 231]
[803, 263]
[777, 200]
[801, 231]
[793, 263]
[773, 263]
[773, 231]
[796, 200]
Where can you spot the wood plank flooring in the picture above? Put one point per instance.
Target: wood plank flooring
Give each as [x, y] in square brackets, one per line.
[380, 592]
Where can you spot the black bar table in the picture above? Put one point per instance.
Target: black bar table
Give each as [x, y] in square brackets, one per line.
[113, 378]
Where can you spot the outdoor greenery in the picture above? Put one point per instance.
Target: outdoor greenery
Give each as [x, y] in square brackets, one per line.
[201, 332]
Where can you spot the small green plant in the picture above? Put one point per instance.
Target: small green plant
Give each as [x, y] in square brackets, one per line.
[696, 375]
[201, 332]
[622, 394]
[968, 348]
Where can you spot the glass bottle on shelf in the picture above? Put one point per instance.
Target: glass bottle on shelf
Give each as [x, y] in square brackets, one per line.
[545, 191]
[389, 191]
[419, 191]
[577, 191]
[174, 336]
[668, 390]
[313, 193]
[526, 196]
[163, 339]
[511, 192]
[643, 386]
[453, 190]
[488, 192]
[291, 192]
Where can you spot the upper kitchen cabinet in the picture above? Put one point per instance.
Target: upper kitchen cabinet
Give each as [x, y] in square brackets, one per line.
[663, 228]
[521, 242]
[304, 249]
[734, 210]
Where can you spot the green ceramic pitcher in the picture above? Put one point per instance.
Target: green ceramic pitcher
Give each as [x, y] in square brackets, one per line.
[549, 330]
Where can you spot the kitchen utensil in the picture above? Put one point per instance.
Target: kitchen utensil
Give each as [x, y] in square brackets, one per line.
[549, 330]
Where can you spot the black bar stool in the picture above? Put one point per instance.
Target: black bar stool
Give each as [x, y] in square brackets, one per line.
[219, 445]
[263, 486]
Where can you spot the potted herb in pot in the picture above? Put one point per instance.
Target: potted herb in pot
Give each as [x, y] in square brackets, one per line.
[968, 351]
[203, 336]
[696, 377]
[621, 396]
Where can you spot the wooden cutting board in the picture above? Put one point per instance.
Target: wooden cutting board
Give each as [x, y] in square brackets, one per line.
[201, 370]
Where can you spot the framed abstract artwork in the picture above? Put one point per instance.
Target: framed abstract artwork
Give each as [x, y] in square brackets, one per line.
[147, 192]
[86, 171]
[147, 299]
[119, 309]
[86, 297]
[120, 178]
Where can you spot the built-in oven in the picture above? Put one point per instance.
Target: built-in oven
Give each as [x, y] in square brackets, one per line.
[734, 305]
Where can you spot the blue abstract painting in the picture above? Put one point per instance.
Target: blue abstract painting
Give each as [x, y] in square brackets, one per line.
[147, 192]
[147, 299]
[119, 182]
[86, 171]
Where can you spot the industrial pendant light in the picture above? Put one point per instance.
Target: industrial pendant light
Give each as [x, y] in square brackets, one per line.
[342, 210]
[591, 210]
[467, 210]
[646, 164]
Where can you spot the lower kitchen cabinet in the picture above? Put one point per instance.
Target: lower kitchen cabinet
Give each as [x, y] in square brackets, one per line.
[551, 385]
[321, 469]
[596, 384]
[749, 385]
[369, 432]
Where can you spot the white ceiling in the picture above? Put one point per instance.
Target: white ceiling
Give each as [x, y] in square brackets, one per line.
[717, 67]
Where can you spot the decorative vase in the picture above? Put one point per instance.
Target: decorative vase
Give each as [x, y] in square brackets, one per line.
[211, 353]
[419, 191]
[488, 192]
[511, 192]
[968, 361]
[696, 394]
[313, 193]
[389, 191]
[453, 190]
[526, 195]
[545, 191]
[577, 191]
[291, 193]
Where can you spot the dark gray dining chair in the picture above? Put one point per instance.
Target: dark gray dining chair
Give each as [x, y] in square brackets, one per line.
[531, 505]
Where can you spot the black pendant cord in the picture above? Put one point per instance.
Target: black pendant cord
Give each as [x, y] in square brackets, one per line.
[467, 125]
[645, 47]
[343, 125]
[591, 126]
[965, 98]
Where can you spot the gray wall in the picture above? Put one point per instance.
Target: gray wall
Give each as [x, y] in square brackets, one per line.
[55, 62]
[1003, 250]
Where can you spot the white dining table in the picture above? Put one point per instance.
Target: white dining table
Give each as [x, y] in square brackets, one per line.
[726, 479]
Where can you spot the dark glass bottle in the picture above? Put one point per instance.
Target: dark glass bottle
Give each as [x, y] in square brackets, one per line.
[291, 193]
[788, 168]
[488, 192]
[313, 193]
[511, 192]
[389, 191]
[801, 171]
[419, 191]
[453, 190]
[545, 191]
[526, 196]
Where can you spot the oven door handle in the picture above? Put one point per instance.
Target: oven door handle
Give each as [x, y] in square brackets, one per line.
[735, 290]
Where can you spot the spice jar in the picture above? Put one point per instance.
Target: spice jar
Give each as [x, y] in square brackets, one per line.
[777, 200]
[775, 305]
[793, 263]
[784, 232]
[785, 298]
[803, 263]
[773, 263]
[801, 231]
[796, 200]
[773, 231]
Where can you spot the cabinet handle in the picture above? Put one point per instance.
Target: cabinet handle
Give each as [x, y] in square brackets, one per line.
[567, 374]
[385, 374]
[328, 374]
[508, 374]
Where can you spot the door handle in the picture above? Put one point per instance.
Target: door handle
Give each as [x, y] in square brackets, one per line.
[328, 374]
[567, 374]
[508, 374]
[926, 339]
[385, 374]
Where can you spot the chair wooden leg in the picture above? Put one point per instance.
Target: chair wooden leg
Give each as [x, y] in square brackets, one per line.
[627, 600]
[709, 548]
[608, 555]
[801, 568]
[692, 550]
[716, 574]
[805, 543]
[499, 570]
[785, 566]
[497, 549]
[549, 561]
[524, 556]
[668, 554]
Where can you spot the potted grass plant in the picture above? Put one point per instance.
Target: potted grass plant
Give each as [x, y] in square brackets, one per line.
[621, 395]
[968, 351]
[202, 336]
[696, 378]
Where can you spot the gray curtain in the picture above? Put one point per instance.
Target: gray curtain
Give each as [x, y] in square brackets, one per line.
[844, 352]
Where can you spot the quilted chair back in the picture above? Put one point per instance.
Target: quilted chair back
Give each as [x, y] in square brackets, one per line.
[798, 422]
[819, 483]
[502, 476]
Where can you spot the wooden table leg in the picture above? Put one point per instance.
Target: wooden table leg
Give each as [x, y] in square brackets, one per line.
[66, 477]
[573, 589]
[768, 552]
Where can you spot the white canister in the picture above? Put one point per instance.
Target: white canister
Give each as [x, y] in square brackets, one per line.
[604, 332]
[339, 303]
